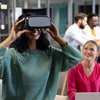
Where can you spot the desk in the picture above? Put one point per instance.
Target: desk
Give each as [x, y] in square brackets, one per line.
[60, 97]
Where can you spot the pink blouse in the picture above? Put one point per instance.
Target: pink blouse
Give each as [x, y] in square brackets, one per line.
[79, 82]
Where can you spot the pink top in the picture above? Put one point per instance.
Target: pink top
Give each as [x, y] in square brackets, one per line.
[79, 82]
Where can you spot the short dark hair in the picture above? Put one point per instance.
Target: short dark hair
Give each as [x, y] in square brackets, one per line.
[92, 41]
[21, 44]
[79, 16]
[90, 16]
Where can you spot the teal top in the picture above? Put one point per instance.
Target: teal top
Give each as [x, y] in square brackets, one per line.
[34, 75]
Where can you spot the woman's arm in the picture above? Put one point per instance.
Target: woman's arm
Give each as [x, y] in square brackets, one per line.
[5, 56]
[69, 56]
[72, 84]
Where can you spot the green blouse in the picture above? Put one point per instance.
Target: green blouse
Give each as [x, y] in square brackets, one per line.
[34, 75]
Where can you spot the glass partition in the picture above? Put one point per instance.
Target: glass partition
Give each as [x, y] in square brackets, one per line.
[4, 19]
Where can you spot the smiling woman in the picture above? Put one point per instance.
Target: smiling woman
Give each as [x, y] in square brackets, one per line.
[28, 37]
[90, 51]
[82, 77]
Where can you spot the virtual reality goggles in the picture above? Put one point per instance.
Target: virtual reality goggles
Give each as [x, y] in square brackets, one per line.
[38, 22]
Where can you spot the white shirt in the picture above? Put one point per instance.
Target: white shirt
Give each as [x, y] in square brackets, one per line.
[75, 36]
[88, 33]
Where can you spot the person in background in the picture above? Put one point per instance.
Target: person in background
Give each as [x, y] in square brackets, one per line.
[85, 77]
[74, 34]
[30, 68]
[92, 30]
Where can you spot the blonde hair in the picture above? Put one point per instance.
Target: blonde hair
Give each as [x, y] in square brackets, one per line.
[94, 42]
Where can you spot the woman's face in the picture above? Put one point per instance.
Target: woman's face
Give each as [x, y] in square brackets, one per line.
[90, 52]
[33, 35]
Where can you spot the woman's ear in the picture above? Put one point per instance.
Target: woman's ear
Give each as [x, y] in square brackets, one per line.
[98, 54]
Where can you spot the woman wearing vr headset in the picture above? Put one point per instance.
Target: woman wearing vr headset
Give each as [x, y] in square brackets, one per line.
[31, 68]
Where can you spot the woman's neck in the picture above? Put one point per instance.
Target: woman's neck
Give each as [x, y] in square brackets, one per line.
[88, 64]
[32, 45]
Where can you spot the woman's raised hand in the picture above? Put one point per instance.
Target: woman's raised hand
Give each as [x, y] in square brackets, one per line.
[15, 32]
[53, 31]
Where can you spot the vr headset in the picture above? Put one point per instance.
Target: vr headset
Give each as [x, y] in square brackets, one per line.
[38, 22]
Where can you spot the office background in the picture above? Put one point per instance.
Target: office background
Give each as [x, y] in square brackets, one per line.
[61, 11]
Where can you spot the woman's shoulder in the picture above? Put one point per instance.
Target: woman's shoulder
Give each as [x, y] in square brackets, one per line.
[51, 48]
[97, 68]
[11, 51]
[97, 64]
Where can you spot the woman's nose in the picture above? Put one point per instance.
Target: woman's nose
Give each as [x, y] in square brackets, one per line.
[35, 30]
[88, 51]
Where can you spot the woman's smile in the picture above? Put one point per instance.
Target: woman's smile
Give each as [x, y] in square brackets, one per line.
[34, 33]
[87, 55]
